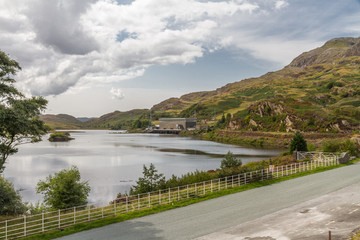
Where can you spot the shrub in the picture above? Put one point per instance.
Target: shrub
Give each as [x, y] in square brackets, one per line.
[338, 146]
[64, 189]
[230, 161]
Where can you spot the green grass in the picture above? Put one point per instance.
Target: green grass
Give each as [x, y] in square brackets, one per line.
[106, 221]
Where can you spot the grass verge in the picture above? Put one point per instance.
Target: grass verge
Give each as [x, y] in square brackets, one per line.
[131, 215]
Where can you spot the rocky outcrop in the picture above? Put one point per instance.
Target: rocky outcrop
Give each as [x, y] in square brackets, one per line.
[328, 53]
[266, 108]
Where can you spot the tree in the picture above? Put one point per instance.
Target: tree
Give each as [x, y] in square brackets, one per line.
[10, 199]
[298, 143]
[64, 189]
[150, 181]
[19, 116]
[230, 161]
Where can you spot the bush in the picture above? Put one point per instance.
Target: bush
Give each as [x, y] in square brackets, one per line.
[10, 199]
[151, 181]
[60, 137]
[230, 161]
[64, 189]
[338, 146]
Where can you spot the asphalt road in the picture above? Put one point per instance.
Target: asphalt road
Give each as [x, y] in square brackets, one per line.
[221, 214]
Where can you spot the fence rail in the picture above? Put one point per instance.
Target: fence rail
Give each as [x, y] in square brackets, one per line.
[39, 223]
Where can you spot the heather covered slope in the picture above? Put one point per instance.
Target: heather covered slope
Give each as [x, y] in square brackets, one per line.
[317, 91]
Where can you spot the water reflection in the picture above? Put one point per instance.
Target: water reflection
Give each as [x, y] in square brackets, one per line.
[113, 162]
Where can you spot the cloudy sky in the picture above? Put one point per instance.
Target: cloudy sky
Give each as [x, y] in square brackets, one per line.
[91, 57]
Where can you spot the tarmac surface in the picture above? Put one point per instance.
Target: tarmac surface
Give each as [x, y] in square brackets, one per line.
[302, 208]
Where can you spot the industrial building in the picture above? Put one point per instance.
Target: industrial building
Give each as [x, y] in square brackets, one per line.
[177, 123]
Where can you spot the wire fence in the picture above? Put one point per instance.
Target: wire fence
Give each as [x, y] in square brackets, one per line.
[39, 223]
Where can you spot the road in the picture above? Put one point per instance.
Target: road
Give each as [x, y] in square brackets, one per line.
[216, 218]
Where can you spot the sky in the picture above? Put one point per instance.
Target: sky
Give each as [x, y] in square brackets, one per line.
[92, 57]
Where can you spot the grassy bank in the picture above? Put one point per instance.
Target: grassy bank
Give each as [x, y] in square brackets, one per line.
[161, 208]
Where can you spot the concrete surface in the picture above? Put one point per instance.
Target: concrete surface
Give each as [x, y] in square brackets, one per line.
[231, 216]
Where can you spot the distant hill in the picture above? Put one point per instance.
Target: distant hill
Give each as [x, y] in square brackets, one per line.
[61, 121]
[84, 119]
[319, 91]
[117, 119]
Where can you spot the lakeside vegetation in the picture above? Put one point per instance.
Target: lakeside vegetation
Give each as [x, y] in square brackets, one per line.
[60, 137]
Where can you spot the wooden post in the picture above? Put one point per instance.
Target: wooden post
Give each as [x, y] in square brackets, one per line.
[42, 221]
[149, 196]
[329, 235]
[127, 206]
[24, 225]
[159, 196]
[59, 220]
[74, 215]
[115, 208]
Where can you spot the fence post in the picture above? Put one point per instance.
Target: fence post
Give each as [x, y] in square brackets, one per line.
[178, 193]
[244, 178]
[169, 195]
[42, 221]
[219, 185]
[102, 212]
[6, 229]
[89, 214]
[24, 225]
[239, 183]
[232, 181]
[138, 201]
[59, 220]
[159, 196]
[149, 196]
[187, 190]
[195, 189]
[211, 187]
[115, 208]
[74, 215]
[226, 182]
[204, 187]
[127, 204]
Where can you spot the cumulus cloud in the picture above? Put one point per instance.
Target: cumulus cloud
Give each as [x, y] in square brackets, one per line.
[281, 4]
[117, 93]
[66, 44]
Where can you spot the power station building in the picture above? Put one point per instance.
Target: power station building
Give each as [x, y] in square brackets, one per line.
[179, 124]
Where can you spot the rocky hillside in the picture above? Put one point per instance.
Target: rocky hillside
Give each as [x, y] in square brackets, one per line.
[317, 91]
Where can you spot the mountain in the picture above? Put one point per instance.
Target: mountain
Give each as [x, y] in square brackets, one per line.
[318, 91]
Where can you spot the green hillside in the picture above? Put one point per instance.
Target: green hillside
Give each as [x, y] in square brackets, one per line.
[317, 91]
[117, 119]
[61, 121]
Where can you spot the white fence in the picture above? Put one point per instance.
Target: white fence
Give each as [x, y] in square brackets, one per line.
[33, 224]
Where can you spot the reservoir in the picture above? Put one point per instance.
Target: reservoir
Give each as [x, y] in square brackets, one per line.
[112, 161]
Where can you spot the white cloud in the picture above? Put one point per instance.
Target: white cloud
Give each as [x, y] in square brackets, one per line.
[281, 4]
[117, 93]
[67, 44]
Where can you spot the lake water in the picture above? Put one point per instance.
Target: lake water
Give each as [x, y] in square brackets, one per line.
[113, 162]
